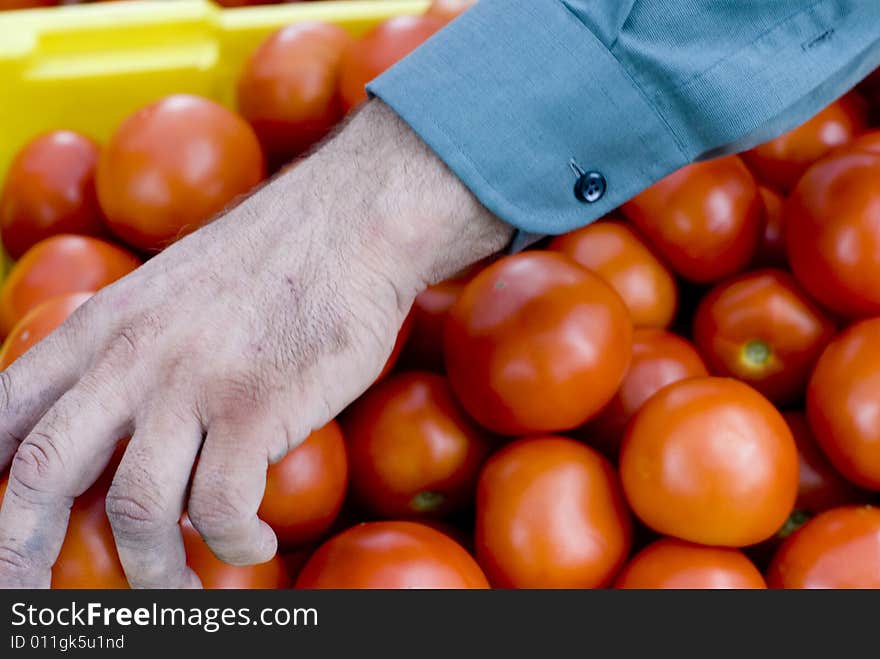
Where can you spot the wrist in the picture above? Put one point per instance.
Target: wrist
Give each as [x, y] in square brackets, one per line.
[416, 217]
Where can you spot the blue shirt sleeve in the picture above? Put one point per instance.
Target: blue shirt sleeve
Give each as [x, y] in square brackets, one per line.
[523, 98]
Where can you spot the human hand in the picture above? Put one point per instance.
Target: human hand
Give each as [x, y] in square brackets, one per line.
[230, 346]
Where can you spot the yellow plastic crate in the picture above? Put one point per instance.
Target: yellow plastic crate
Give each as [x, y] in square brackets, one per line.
[86, 67]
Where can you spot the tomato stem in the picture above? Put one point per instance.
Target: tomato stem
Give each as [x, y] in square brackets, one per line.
[426, 501]
[757, 352]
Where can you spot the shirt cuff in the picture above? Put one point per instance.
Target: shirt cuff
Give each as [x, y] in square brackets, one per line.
[520, 99]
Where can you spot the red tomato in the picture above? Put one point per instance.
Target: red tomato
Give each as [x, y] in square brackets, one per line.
[771, 251]
[88, 557]
[37, 324]
[447, 10]
[172, 165]
[59, 265]
[536, 343]
[305, 490]
[413, 451]
[429, 311]
[550, 514]
[704, 220]
[215, 574]
[843, 403]
[379, 49]
[762, 329]
[287, 90]
[50, 189]
[673, 564]
[614, 252]
[779, 163]
[838, 549]
[402, 337]
[832, 232]
[391, 555]
[869, 141]
[820, 486]
[659, 358]
[26, 4]
[711, 461]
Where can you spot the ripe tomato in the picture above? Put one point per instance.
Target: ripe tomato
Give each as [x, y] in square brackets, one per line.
[402, 337]
[704, 219]
[58, 265]
[37, 324]
[659, 358]
[287, 90]
[391, 555]
[430, 310]
[413, 451]
[614, 252]
[50, 189]
[869, 141]
[673, 564]
[832, 235]
[710, 460]
[820, 486]
[550, 514]
[843, 403]
[305, 490]
[171, 166]
[88, 557]
[771, 251]
[762, 329]
[447, 10]
[379, 49]
[838, 549]
[780, 162]
[26, 4]
[536, 343]
[215, 574]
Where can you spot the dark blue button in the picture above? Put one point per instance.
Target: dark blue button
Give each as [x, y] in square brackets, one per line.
[590, 187]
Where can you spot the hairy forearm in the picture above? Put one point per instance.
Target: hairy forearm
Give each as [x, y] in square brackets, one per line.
[378, 180]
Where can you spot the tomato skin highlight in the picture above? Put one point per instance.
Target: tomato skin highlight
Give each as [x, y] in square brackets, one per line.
[659, 358]
[37, 324]
[838, 549]
[711, 461]
[306, 488]
[705, 220]
[843, 403]
[59, 265]
[536, 343]
[414, 452]
[781, 162]
[831, 232]
[674, 564]
[391, 555]
[379, 49]
[526, 537]
[172, 166]
[50, 189]
[761, 328]
[287, 90]
[618, 255]
[215, 574]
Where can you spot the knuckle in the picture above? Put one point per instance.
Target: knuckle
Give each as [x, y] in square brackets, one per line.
[215, 513]
[38, 461]
[13, 561]
[136, 513]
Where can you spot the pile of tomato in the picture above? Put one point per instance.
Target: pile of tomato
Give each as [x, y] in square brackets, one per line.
[685, 394]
